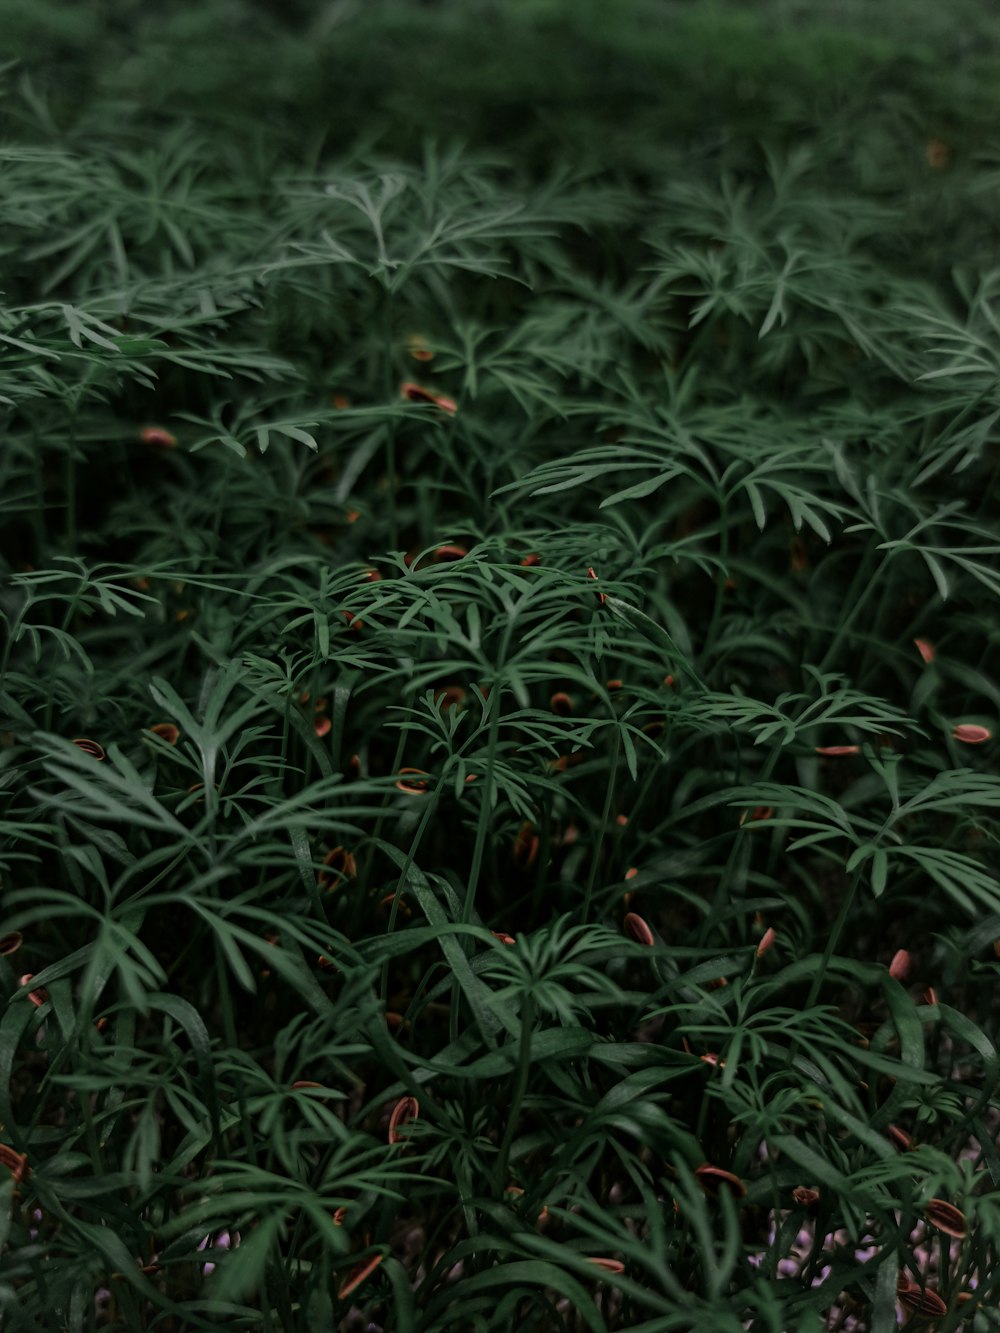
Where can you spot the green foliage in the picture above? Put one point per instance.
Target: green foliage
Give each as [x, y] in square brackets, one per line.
[498, 596]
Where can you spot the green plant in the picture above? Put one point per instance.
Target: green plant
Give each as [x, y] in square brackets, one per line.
[496, 703]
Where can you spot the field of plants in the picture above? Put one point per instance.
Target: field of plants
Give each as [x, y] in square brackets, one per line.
[499, 628]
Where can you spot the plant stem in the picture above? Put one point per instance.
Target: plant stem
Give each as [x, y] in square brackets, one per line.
[715, 624]
[485, 810]
[609, 795]
[723, 890]
[71, 486]
[520, 1086]
[390, 442]
[430, 809]
[856, 598]
[834, 937]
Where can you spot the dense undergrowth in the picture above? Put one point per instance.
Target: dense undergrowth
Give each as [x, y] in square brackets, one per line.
[498, 572]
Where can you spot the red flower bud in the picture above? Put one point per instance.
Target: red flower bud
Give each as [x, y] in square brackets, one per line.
[639, 930]
[971, 734]
[158, 436]
[899, 968]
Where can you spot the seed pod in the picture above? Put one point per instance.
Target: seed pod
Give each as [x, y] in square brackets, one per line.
[517, 1193]
[900, 1138]
[406, 1110]
[37, 997]
[503, 937]
[920, 1300]
[412, 785]
[971, 734]
[899, 968]
[323, 727]
[805, 1195]
[415, 393]
[156, 435]
[525, 846]
[609, 1265]
[601, 597]
[712, 1178]
[166, 732]
[946, 1217]
[531, 560]
[837, 750]
[447, 553]
[341, 865]
[89, 747]
[358, 1274]
[10, 943]
[15, 1162]
[638, 929]
[561, 703]
[925, 649]
[402, 906]
[418, 347]
[766, 941]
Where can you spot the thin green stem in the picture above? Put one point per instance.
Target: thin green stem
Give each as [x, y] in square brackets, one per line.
[390, 428]
[715, 624]
[365, 875]
[426, 820]
[724, 889]
[609, 796]
[70, 476]
[486, 809]
[858, 594]
[520, 1087]
[833, 939]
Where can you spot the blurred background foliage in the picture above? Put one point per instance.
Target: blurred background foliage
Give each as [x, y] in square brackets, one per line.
[548, 76]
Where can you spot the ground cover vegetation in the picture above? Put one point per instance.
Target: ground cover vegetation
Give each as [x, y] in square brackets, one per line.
[499, 600]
